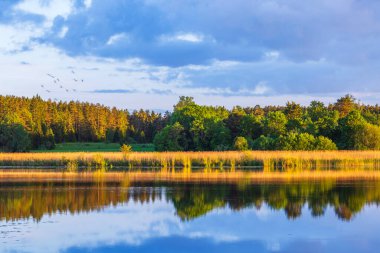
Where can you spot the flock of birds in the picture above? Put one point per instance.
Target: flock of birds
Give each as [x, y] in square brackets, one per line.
[57, 81]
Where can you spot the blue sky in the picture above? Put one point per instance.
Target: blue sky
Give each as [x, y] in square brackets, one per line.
[147, 53]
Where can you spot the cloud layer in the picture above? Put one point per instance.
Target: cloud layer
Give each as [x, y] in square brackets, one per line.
[220, 48]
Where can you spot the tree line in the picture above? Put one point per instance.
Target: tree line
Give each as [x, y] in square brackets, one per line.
[32, 123]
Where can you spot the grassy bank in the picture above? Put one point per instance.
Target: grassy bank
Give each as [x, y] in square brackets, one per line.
[205, 161]
[94, 147]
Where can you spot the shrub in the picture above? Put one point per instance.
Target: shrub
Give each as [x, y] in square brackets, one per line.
[125, 149]
[324, 143]
[14, 138]
[171, 138]
[240, 143]
[263, 143]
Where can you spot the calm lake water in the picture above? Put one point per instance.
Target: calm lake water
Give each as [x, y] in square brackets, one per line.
[324, 216]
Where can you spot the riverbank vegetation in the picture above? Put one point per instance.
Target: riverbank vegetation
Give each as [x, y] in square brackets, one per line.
[94, 147]
[195, 161]
[27, 123]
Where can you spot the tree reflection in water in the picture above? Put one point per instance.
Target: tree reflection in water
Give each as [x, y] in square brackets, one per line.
[191, 200]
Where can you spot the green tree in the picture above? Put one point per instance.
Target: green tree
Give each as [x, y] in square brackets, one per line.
[349, 128]
[293, 111]
[240, 143]
[275, 124]
[49, 141]
[217, 135]
[295, 141]
[324, 143]
[14, 138]
[263, 143]
[345, 105]
[367, 137]
[171, 138]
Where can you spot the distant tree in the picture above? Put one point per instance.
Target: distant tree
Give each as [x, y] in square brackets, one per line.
[349, 126]
[184, 101]
[304, 141]
[367, 137]
[263, 143]
[275, 124]
[240, 143]
[293, 111]
[295, 141]
[14, 138]
[324, 143]
[171, 138]
[48, 140]
[217, 135]
[345, 105]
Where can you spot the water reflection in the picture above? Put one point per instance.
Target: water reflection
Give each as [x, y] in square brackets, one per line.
[323, 216]
[190, 200]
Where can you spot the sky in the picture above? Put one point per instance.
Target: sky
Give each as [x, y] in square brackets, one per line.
[146, 53]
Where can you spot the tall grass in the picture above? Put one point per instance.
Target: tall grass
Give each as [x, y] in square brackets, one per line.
[269, 161]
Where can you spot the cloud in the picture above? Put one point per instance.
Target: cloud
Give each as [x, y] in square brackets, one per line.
[115, 91]
[242, 31]
[160, 92]
[187, 37]
[257, 48]
[117, 38]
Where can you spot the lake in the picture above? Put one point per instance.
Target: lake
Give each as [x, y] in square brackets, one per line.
[299, 216]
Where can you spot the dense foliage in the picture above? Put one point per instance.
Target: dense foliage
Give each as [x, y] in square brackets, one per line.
[48, 123]
[34, 123]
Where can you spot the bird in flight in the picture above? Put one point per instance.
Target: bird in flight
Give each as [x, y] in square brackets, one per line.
[75, 80]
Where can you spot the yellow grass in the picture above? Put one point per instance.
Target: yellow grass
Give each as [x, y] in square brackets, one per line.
[268, 160]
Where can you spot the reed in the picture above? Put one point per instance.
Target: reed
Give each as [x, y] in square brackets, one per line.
[269, 161]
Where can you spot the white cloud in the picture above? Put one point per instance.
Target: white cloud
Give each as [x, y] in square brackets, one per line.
[88, 3]
[14, 38]
[63, 32]
[187, 37]
[190, 37]
[261, 89]
[48, 9]
[116, 38]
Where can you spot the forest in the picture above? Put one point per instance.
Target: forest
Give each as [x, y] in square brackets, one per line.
[32, 123]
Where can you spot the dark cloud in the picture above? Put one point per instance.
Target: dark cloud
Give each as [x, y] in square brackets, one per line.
[240, 30]
[293, 46]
